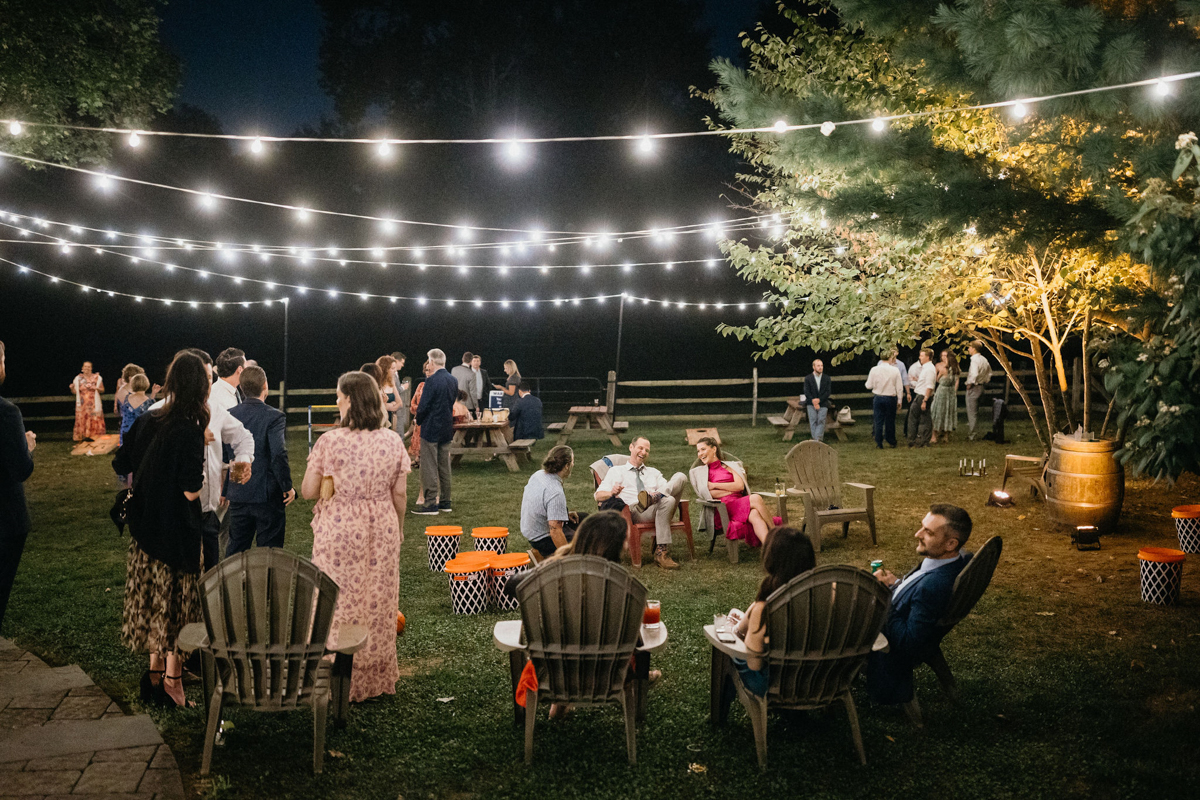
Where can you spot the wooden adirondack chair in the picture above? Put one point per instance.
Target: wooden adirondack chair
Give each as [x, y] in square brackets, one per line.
[1028, 468]
[581, 617]
[267, 614]
[813, 467]
[821, 627]
[712, 510]
[639, 529]
[970, 585]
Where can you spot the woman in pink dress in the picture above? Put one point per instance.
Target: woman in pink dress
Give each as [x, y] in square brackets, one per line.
[357, 532]
[89, 411]
[748, 516]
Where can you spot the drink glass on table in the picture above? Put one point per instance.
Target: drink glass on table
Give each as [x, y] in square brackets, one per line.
[652, 617]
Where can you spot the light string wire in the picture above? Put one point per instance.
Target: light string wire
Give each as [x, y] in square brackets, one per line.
[304, 211]
[332, 253]
[421, 300]
[15, 127]
[18, 124]
[148, 250]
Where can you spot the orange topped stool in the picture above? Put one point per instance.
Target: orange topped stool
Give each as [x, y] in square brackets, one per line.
[1187, 525]
[1162, 572]
[500, 569]
[493, 539]
[468, 584]
[443, 544]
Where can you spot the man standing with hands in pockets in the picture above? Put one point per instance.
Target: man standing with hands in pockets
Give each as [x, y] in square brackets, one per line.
[16, 465]
[816, 400]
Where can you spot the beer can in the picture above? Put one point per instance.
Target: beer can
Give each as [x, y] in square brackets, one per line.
[876, 565]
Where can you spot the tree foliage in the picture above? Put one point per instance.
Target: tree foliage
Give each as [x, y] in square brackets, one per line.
[956, 223]
[80, 62]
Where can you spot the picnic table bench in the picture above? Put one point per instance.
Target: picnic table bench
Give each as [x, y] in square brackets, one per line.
[795, 414]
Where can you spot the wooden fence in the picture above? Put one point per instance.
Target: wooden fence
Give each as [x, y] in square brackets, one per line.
[713, 399]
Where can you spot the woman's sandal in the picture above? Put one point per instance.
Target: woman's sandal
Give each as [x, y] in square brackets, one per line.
[164, 698]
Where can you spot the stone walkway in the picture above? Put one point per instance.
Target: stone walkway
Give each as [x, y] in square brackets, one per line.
[61, 736]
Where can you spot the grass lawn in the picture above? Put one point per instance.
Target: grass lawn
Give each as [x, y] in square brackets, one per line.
[1072, 686]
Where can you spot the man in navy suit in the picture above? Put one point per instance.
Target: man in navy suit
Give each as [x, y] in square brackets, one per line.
[16, 465]
[525, 416]
[258, 505]
[918, 602]
[435, 415]
[816, 399]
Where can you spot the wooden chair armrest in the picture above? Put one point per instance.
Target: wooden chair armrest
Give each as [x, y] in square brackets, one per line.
[683, 508]
[863, 486]
[351, 638]
[700, 501]
[506, 635]
[1030, 459]
[194, 636]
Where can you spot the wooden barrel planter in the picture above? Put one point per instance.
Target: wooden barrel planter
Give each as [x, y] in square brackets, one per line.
[1084, 483]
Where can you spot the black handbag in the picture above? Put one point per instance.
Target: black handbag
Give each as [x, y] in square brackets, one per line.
[120, 510]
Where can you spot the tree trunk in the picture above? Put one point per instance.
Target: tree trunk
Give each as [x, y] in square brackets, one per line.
[1043, 381]
[1087, 373]
[991, 341]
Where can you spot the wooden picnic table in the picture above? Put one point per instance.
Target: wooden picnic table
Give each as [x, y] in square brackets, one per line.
[737, 649]
[507, 637]
[797, 413]
[589, 414]
[475, 438]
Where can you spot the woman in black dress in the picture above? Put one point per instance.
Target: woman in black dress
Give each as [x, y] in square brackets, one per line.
[165, 452]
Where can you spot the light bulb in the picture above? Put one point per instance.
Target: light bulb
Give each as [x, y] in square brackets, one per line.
[781, 126]
[645, 145]
[878, 125]
[15, 128]
[388, 226]
[303, 214]
[1020, 110]
[504, 304]
[207, 201]
[256, 146]
[384, 149]
[104, 182]
[134, 139]
[668, 266]
[1161, 88]
[827, 128]
[530, 303]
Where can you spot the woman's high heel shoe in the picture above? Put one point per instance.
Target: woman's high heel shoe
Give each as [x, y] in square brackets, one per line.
[149, 687]
[164, 698]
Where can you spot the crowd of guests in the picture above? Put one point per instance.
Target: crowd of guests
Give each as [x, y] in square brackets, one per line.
[208, 468]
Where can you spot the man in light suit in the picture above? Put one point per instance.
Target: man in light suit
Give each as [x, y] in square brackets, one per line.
[466, 378]
[257, 507]
[919, 600]
[816, 399]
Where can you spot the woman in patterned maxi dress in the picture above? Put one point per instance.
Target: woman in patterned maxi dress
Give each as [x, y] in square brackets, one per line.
[357, 532]
[89, 411]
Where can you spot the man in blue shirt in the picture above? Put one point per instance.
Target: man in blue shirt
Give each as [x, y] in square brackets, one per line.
[919, 600]
[544, 514]
[525, 416]
[435, 415]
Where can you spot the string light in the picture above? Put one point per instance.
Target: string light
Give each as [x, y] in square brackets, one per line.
[878, 125]
[256, 146]
[14, 128]
[1020, 110]
[135, 138]
[780, 126]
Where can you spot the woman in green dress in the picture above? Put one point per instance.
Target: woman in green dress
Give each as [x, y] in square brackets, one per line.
[945, 399]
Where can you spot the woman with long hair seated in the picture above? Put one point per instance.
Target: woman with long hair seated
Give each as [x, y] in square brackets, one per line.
[358, 530]
[726, 481]
[788, 553]
[164, 452]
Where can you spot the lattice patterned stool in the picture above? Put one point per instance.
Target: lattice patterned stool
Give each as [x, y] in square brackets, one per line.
[1187, 525]
[1162, 572]
[443, 544]
[500, 569]
[468, 584]
[494, 540]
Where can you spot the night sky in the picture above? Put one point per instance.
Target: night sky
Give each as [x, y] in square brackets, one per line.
[254, 67]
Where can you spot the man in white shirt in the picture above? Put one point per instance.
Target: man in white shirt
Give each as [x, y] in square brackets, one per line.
[885, 383]
[978, 374]
[222, 429]
[646, 496]
[229, 366]
[466, 378]
[920, 416]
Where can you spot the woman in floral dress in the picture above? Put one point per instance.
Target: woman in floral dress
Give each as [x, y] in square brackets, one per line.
[357, 532]
[89, 412]
[945, 399]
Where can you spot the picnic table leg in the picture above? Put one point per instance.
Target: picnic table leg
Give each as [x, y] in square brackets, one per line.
[516, 663]
[641, 669]
[606, 424]
[565, 435]
[498, 441]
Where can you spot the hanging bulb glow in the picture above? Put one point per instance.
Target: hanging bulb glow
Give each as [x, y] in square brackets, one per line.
[627, 267]
[1020, 110]
[545, 270]
[878, 125]
[515, 151]
[15, 128]
[256, 146]
[332, 294]
[207, 201]
[504, 304]
[645, 145]
[478, 303]
[781, 126]
[712, 262]
[668, 266]
[388, 226]
[384, 149]
[104, 182]
[134, 139]
[503, 250]
[1161, 88]
[303, 214]
[827, 128]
